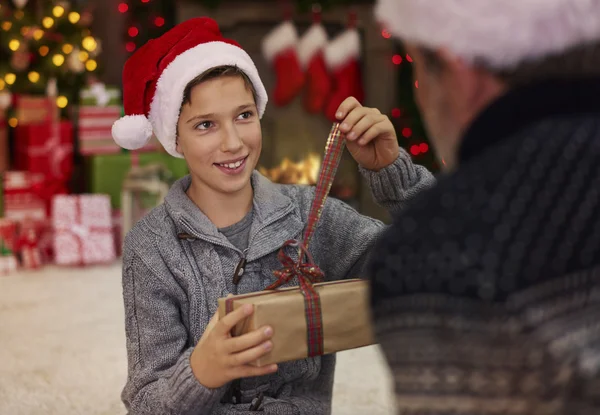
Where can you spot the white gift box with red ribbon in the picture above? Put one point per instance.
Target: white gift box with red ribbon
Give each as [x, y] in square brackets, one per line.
[83, 230]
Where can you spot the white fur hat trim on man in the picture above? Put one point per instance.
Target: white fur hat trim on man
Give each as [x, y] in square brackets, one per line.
[499, 33]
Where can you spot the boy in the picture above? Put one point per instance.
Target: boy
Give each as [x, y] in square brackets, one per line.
[203, 97]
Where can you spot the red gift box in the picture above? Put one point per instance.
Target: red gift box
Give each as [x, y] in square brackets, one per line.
[8, 233]
[4, 159]
[45, 148]
[28, 247]
[83, 230]
[24, 194]
[30, 109]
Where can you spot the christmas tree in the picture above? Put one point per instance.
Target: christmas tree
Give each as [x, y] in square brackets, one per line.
[406, 116]
[44, 40]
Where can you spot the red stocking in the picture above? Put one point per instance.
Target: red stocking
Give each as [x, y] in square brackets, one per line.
[342, 56]
[318, 83]
[279, 49]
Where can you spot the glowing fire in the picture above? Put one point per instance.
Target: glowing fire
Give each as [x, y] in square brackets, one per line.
[288, 172]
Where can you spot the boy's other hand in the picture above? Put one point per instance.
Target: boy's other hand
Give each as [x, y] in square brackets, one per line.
[219, 358]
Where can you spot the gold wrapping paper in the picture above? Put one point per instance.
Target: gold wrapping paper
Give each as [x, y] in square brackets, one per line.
[346, 318]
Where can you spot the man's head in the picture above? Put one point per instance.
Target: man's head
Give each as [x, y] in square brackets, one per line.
[468, 52]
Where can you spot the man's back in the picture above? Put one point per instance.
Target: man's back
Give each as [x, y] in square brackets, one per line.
[487, 290]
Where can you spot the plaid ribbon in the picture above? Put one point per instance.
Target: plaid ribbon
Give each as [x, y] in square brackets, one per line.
[307, 272]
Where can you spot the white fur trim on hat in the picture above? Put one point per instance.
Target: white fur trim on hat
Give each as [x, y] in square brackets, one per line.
[342, 49]
[132, 131]
[279, 39]
[501, 33]
[313, 41]
[166, 103]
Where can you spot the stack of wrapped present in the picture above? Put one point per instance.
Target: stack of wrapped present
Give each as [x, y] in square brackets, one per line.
[42, 221]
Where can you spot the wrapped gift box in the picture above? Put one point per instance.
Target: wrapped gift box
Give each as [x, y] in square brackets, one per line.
[28, 246]
[32, 109]
[100, 108]
[23, 196]
[95, 129]
[106, 174]
[83, 230]
[41, 149]
[8, 233]
[4, 156]
[344, 310]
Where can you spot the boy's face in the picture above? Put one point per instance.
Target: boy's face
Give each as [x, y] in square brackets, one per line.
[219, 135]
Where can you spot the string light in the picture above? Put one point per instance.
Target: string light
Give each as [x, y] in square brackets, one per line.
[24, 30]
[408, 58]
[417, 84]
[415, 150]
[47, 22]
[83, 56]
[74, 17]
[10, 78]
[62, 101]
[13, 122]
[2, 84]
[67, 48]
[406, 132]
[133, 31]
[424, 147]
[38, 34]
[6, 26]
[123, 7]
[58, 11]
[14, 45]
[397, 59]
[58, 59]
[19, 14]
[396, 112]
[386, 34]
[145, 1]
[91, 65]
[44, 50]
[89, 43]
[33, 77]
[159, 21]
[130, 46]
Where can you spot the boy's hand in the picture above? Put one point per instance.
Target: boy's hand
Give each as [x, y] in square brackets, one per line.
[370, 135]
[219, 358]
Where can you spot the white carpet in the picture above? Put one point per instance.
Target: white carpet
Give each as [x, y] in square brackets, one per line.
[62, 349]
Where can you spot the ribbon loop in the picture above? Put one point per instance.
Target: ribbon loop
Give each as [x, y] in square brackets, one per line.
[307, 273]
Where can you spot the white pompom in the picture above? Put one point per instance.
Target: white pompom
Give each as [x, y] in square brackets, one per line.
[132, 131]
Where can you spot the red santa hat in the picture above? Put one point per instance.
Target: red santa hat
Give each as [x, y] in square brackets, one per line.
[154, 79]
[500, 33]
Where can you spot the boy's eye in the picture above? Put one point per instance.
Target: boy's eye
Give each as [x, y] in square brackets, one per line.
[245, 115]
[204, 125]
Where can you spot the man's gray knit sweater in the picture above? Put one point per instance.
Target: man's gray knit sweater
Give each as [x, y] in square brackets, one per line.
[171, 286]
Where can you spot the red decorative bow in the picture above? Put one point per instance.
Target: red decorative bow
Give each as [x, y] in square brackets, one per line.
[306, 272]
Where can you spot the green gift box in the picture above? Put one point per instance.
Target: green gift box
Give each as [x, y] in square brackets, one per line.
[106, 173]
[100, 95]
